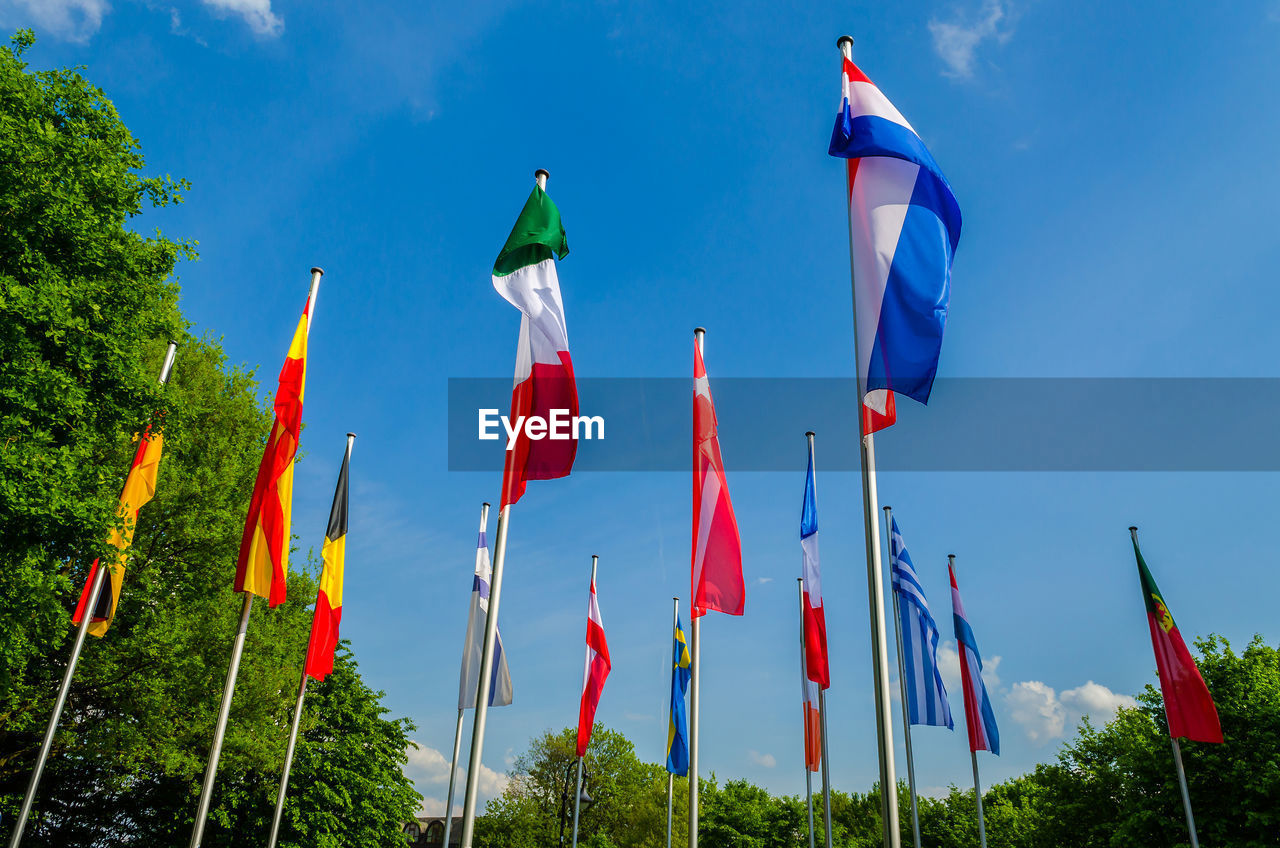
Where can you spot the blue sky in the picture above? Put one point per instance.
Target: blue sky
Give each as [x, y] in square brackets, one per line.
[1115, 165]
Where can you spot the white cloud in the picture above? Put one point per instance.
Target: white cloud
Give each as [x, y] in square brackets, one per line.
[71, 20]
[957, 41]
[429, 767]
[766, 760]
[949, 665]
[1096, 701]
[1046, 715]
[760, 581]
[256, 13]
[435, 807]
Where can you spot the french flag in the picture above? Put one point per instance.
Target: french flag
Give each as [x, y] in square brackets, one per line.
[904, 225]
[983, 733]
[817, 668]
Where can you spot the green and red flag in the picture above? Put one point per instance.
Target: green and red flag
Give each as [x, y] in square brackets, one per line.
[1187, 702]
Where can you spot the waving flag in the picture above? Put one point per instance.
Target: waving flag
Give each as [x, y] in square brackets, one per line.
[983, 733]
[500, 691]
[139, 488]
[328, 615]
[677, 726]
[815, 620]
[904, 227]
[717, 549]
[525, 274]
[812, 721]
[926, 694]
[264, 547]
[594, 672]
[1187, 703]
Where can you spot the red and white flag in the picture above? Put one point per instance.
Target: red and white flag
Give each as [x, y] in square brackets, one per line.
[717, 549]
[594, 672]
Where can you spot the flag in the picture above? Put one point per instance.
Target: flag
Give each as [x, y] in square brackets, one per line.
[926, 694]
[1187, 703]
[717, 549]
[139, 487]
[983, 733]
[500, 691]
[594, 672]
[904, 227]
[525, 274]
[264, 547]
[812, 718]
[324, 627]
[815, 620]
[677, 726]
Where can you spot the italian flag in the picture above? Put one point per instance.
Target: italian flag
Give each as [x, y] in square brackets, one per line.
[525, 274]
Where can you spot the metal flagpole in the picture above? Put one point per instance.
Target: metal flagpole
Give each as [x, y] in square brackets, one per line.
[695, 648]
[91, 604]
[297, 720]
[1186, 796]
[977, 792]
[875, 579]
[804, 699]
[902, 684]
[237, 650]
[577, 802]
[671, 778]
[822, 723]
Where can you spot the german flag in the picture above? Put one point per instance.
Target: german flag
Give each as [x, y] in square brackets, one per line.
[139, 487]
[264, 547]
[324, 628]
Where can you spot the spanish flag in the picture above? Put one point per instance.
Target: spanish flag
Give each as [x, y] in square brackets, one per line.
[139, 487]
[324, 628]
[264, 547]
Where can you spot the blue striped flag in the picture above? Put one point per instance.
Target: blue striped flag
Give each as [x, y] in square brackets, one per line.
[978, 715]
[677, 726]
[926, 694]
[469, 679]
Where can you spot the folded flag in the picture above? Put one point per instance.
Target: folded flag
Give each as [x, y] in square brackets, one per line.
[904, 227]
[328, 614]
[264, 548]
[815, 619]
[594, 672]
[500, 691]
[1188, 706]
[926, 694]
[677, 725]
[139, 487]
[525, 274]
[983, 733]
[717, 548]
[812, 720]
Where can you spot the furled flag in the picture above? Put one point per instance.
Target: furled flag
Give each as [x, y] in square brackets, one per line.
[324, 627]
[139, 487]
[264, 547]
[525, 274]
[500, 691]
[904, 227]
[926, 694]
[594, 672]
[983, 733]
[812, 720]
[717, 549]
[1188, 706]
[677, 726]
[815, 620]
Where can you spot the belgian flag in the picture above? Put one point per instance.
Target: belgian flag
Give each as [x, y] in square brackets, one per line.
[324, 628]
[139, 487]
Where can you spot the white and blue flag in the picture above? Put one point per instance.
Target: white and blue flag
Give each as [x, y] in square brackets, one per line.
[926, 694]
[469, 679]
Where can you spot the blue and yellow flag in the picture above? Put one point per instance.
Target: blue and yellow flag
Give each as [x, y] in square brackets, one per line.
[678, 726]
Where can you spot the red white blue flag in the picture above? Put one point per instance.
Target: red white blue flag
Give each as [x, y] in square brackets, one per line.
[817, 668]
[983, 733]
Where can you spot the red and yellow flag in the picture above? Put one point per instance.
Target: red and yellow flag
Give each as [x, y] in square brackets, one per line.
[264, 547]
[139, 487]
[324, 627]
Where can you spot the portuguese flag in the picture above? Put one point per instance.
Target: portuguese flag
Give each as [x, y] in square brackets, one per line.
[1187, 702]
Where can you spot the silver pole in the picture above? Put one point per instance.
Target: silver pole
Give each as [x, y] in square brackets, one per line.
[91, 604]
[316, 274]
[228, 689]
[822, 719]
[671, 778]
[577, 802]
[804, 699]
[1186, 796]
[875, 578]
[977, 792]
[695, 647]
[902, 684]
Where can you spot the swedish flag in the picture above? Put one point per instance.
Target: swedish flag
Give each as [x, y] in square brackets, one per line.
[678, 726]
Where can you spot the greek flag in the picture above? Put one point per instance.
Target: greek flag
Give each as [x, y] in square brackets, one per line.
[926, 694]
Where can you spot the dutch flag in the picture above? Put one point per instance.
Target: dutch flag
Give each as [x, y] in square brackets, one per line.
[983, 733]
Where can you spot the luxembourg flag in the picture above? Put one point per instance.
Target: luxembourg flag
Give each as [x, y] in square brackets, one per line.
[904, 225]
[817, 668]
[983, 733]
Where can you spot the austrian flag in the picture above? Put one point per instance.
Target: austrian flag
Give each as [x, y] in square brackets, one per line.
[717, 548]
[594, 672]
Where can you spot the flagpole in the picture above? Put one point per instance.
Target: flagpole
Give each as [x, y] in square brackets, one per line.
[577, 802]
[297, 717]
[1186, 796]
[671, 778]
[695, 653]
[875, 579]
[804, 699]
[91, 604]
[822, 723]
[902, 685]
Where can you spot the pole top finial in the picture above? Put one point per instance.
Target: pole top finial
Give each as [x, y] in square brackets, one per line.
[842, 41]
[1133, 528]
[699, 330]
[540, 177]
[316, 269]
[886, 507]
[351, 435]
[486, 504]
[173, 342]
[950, 557]
[809, 434]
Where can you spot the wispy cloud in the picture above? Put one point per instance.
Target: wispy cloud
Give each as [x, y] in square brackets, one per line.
[70, 20]
[956, 41]
[256, 13]
[760, 581]
[1046, 715]
[766, 760]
